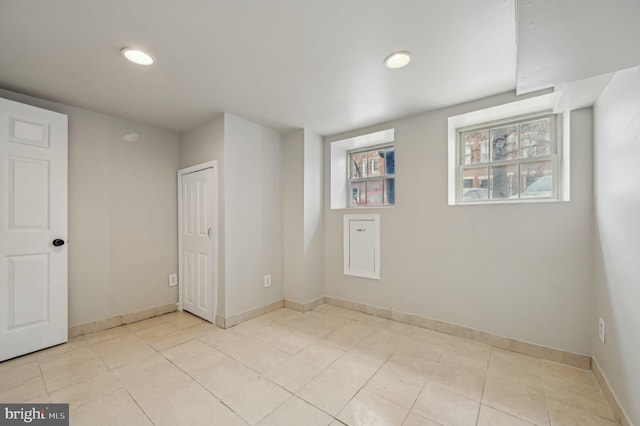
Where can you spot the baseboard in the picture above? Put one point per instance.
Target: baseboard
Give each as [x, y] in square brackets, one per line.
[118, 320]
[513, 345]
[619, 413]
[247, 315]
[303, 307]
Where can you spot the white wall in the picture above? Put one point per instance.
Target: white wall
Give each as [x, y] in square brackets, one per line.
[519, 271]
[253, 211]
[122, 215]
[313, 217]
[199, 145]
[303, 217]
[293, 216]
[617, 204]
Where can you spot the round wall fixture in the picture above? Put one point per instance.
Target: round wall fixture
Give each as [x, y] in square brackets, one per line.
[137, 56]
[131, 137]
[397, 60]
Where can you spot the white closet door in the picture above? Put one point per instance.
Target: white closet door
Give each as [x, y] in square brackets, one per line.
[33, 229]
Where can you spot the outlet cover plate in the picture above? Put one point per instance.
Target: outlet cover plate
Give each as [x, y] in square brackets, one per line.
[173, 280]
[601, 329]
[267, 280]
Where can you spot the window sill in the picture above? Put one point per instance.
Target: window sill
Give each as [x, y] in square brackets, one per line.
[489, 203]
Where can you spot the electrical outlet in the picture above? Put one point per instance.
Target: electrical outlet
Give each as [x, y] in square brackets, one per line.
[601, 329]
[267, 280]
[173, 280]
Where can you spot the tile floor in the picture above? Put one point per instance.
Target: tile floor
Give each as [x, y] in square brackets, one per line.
[330, 366]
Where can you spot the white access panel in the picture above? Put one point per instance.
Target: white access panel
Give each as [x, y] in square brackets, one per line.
[362, 245]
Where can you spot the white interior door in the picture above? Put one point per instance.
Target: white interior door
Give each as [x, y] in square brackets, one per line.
[197, 199]
[33, 229]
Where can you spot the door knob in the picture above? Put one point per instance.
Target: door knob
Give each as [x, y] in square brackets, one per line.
[58, 242]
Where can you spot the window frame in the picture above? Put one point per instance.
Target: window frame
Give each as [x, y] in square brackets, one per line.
[351, 180]
[556, 122]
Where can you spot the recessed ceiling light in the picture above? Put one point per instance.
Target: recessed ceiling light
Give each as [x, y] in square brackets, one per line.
[137, 56]
[397, 60]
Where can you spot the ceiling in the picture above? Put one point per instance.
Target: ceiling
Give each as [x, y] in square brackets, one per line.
[304, 63]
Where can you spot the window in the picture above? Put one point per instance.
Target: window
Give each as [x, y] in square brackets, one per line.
[509, 160]
[371, 179]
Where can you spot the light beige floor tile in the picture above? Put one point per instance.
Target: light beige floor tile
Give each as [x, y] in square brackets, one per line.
[128, 354]
[367, 409]
[349, 335]
[380, 344]
[201, 330]
[415, 419]
[501, 357]
[516, 376]
[319, 354]
[87, 389]
[397, 327]
[71, 345]
[183, 320]
[268, 332]
[148, 323]
[492, 417]
[169, 340]
[565, 415]
[139, 370]
[296, 412]
[20, 360]
[474, 361]
[56, 378]
[395, 385]
[264, 358]
[431, 337]
[426, 350]
[414, 365]
[255, 400]
[354, 368]
[517, 400]
[67, 359]
[293, 374]
[225, 377]
[29, 390]
[190, 405]
[329, 392]
[467, 383]
[291, 343]
[592, 402]
[184, 350]
[112, 409]
[446, 408]
[238, 345]
[158, 330]
[163, 382]
[101, 336]
[9, 377]
[564, 376]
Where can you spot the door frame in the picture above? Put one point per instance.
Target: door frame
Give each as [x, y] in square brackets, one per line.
[214, 233]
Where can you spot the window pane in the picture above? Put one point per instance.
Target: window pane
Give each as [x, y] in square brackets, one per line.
[389, 192]
[504, 143]
[375, 194]
[476, 184]
[504, 182]
[376, 162]
[535, 138]
[476, 147]
[536, 179]
[359, 194]
[359, 165]
[389, 161]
